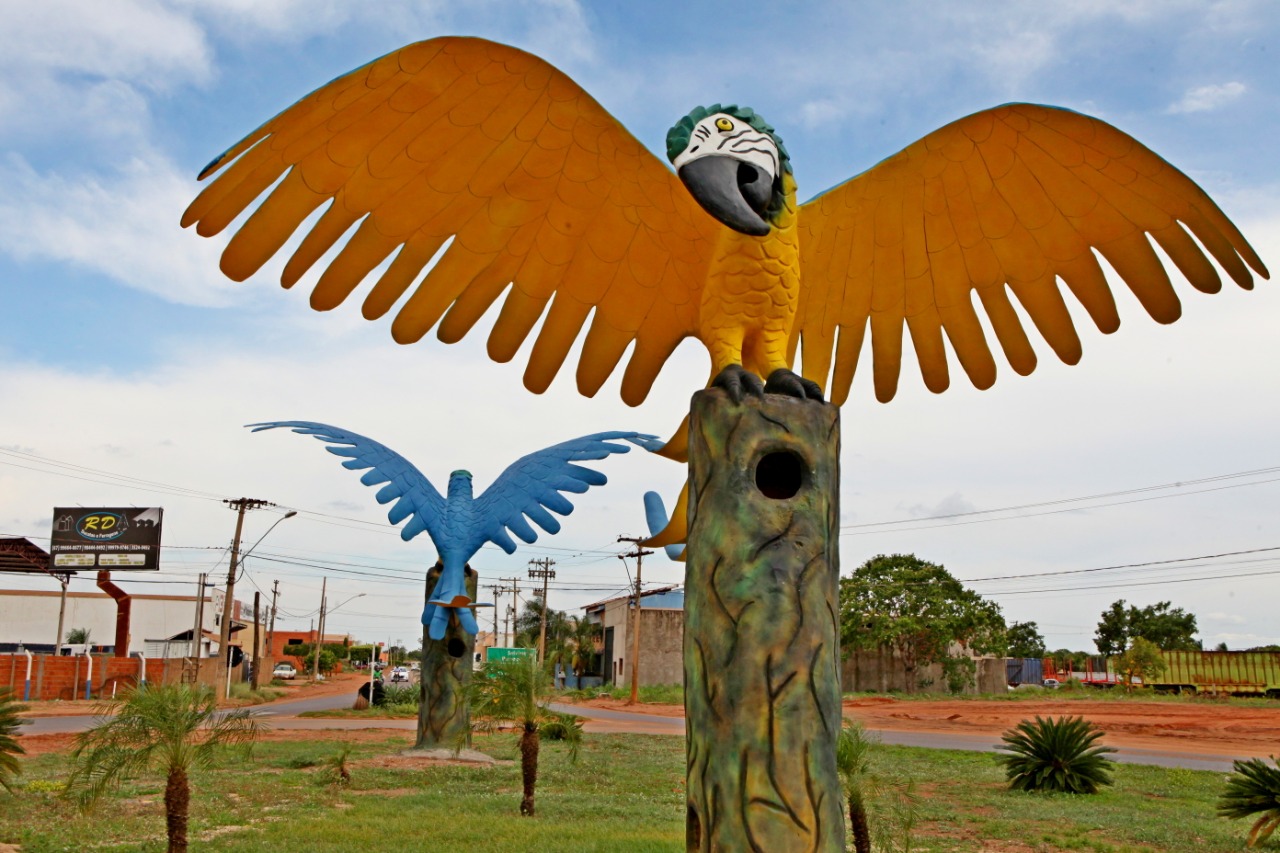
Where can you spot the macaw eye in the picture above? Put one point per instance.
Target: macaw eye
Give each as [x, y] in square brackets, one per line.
[724, 124]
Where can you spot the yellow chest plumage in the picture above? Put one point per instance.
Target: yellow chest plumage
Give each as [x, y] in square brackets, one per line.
[753, 286]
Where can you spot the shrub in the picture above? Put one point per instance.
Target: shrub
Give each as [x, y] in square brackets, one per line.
[10, 749]
[1253, 789]
[1056, 755]
[395, 694]
[566, 727]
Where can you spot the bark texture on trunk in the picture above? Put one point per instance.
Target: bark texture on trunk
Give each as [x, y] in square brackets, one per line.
[761, 642]
[177, 805]
[444, 720]
[861, 831]
[528, 766]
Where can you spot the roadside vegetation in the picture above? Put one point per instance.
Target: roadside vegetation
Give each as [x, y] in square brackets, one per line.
[10, 749]
[625, 793]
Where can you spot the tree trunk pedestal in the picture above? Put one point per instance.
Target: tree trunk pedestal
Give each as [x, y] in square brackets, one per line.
[444, 720]
[761, 639]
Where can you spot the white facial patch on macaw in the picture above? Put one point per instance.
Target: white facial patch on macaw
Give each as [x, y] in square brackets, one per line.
[723, 134]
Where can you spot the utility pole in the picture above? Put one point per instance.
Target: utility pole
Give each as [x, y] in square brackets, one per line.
[498, 589]
[545, 572]
[319, 637]
[508, 624]
[197, 633]
[241, 506]
[271, 630]
[639, 553]
[257, 641]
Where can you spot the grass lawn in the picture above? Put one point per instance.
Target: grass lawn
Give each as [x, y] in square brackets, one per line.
[625, 793]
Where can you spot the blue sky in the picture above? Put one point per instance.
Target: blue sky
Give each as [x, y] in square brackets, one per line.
[125, 351]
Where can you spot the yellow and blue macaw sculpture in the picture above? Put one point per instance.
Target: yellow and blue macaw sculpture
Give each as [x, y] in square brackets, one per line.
[507, 180]
[458, 522]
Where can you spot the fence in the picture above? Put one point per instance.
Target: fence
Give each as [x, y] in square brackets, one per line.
[69, 677]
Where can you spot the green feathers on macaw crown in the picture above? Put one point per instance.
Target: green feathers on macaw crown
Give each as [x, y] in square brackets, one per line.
[678, 136]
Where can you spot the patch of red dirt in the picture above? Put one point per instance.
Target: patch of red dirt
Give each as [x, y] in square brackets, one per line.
[1193, 726]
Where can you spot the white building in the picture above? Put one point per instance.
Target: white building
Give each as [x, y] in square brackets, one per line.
[159, 625]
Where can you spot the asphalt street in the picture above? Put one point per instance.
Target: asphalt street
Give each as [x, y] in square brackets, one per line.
[282, 715]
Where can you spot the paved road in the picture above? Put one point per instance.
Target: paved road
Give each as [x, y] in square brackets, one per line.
[281, 715]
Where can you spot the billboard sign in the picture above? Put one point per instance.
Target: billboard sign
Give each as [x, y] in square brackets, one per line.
[106, 539]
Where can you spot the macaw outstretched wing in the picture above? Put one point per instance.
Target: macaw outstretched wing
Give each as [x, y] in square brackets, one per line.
[535, 184]
[415, 498]
[1006, 200]
[530, 488]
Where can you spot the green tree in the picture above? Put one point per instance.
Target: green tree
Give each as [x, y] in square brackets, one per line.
[1112, 636]
[78, 636]
[517, 690]
[1141, 660]
[917, 609]
[1024, 640]
[173, 728]
[584, 634]
[1170, 628]
[328, 662]
[528, 626]
[10, 749]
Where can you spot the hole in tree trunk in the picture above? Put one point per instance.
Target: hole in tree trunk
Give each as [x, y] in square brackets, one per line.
[456, 647]
[779, 475]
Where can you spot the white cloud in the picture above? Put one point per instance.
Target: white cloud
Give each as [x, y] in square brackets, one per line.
[82, 72]
[822, 111]
[1204, 98]
[124, 225]
[137, 40]
[952, 504]
[1224, 618]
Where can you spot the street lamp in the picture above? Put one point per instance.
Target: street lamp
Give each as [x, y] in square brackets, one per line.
[224, 636]
[324, 612]
[290, 514]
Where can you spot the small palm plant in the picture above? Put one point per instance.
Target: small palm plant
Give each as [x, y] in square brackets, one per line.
[173, 728]
[338, 766]
[517, 690]
[883, 809]
[853, 763]
[10, 749]
[1253, 789]
[1056, 755]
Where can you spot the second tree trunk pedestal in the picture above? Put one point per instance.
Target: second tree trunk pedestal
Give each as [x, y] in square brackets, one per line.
[444, 721]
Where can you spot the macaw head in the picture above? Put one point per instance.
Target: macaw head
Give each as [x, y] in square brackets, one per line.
[460, 484]
[732, 162]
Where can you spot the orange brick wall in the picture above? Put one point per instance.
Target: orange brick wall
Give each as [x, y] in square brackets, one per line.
[54, 677]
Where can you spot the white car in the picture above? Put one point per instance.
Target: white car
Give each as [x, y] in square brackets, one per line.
[284, 670]
[400, 673]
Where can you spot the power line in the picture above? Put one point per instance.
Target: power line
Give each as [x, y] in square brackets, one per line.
[973, 515]
[1132, 584]
[1124, 566]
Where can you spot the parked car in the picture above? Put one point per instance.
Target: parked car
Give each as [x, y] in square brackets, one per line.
[284, 670]
[1051, 683]
[400, 673]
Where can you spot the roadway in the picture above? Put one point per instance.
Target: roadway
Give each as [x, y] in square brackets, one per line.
[283, 715]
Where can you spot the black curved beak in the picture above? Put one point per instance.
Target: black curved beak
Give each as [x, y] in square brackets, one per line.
[734, 192]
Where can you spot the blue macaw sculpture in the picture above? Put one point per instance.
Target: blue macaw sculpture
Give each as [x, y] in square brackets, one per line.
[458, 523]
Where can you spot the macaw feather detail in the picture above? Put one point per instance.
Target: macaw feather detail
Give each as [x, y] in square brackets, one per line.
[529, 490]
[510, 182]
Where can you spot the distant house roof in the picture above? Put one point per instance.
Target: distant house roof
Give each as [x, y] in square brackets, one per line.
[19, 554]
[663, 598]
